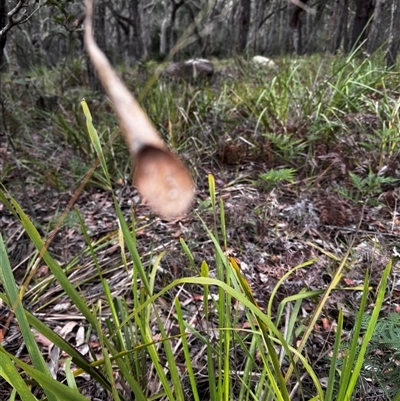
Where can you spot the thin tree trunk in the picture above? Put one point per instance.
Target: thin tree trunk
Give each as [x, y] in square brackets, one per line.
[364, 10]
[394, 35]
[316, 24]
[196, 29]
[122, 30]
[175, 8]
[333, 27]
[243, 23]
[295, 24]
[100, 26]
[137, 45]
[282, 38]
[164, 29]
[12, 58]
[375, 26]
[99, 29]
[210, 23]
[258, 17]
[339, 26]
[273, 12]
[3, 39]
[144, 31]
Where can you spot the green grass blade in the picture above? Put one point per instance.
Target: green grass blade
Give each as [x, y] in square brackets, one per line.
[281, 281]
[335, 280]
[69, 375]
[7, 279]
[95, 141]
[186, 352]
[130, 241]
[51, 263]
[9, 372]
[335, 354]
[370, 331]
[57, 390]
[176, 386]
[348, 369]
[188, 253]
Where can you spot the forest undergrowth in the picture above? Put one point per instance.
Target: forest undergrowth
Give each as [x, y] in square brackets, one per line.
[280, 284]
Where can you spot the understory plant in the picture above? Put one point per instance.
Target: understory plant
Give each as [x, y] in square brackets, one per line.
[382, 356]
[142, 358]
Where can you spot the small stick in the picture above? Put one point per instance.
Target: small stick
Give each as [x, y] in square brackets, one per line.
[160, 177]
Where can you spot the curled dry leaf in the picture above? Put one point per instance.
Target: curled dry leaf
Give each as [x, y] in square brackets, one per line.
[159, 176]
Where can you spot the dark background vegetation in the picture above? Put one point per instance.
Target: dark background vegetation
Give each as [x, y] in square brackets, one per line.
[47, 33]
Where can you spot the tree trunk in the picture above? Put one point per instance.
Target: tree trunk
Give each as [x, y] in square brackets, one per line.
[394, 35]
[175, 8]
[100, 25]
[145, 33]
[261, 37]
[339, 26]
[164, 30]
[3, 14]
[137, 45]
[311, 40]
[334, 24]
[196, 31]
[364, 10]
[211, 22]
[282, 37]
[376, 25]
[295, 25]
[100, 33]
[243, 24]
[11, 49]
[258, 17]
[344, 22]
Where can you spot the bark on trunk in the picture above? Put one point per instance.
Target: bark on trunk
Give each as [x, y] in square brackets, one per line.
[394, 42]
[137, 45]
[175, 8]
[3, 38]
[99, 29]
[164, 29]
[340, 34]
[364, 10]
[375, 26]
[243, 25]
[295, 24]
[310, 42]
[145, 33]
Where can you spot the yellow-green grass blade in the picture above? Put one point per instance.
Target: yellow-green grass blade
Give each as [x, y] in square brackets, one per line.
[335, 356]
[9, 372]
[130, 241]
[51, 263]
[173, 368]
[95, 141]
[370, 330]
[333, 284]
[278, 285]
[266, 321]
[57, 390]
[10, 286]
[264, 329]
[186, 352]
[348, 364]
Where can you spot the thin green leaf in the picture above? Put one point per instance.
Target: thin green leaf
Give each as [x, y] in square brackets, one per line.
[13, 377]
